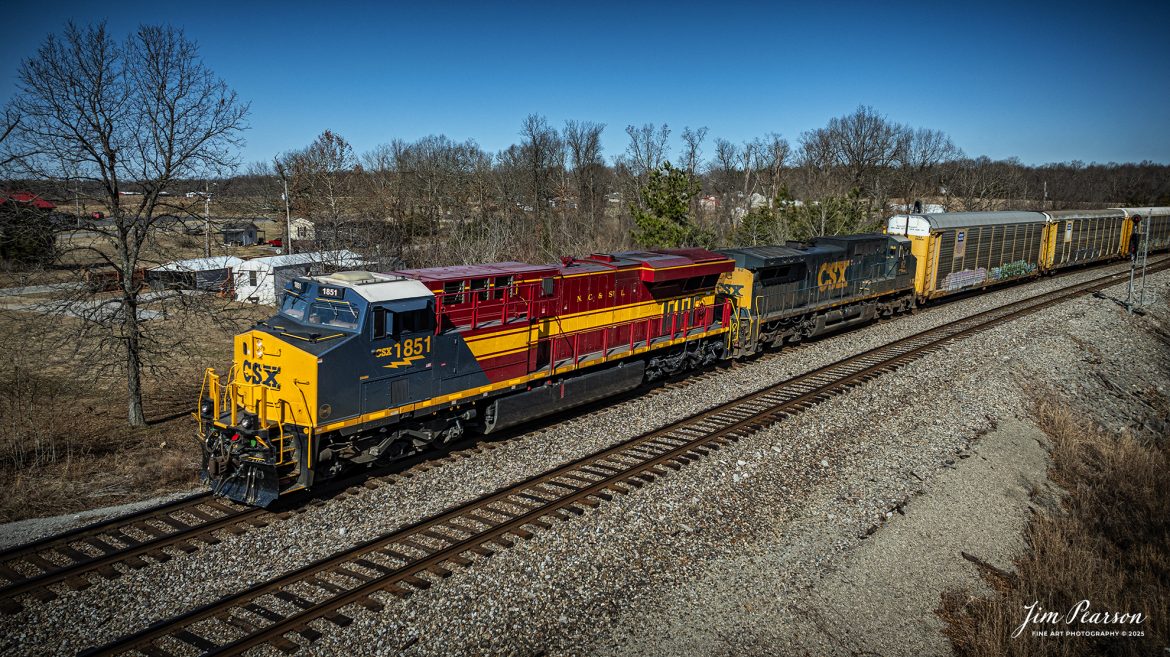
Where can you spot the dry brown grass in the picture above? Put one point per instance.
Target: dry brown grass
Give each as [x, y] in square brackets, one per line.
[64, 442]
[1108, 542]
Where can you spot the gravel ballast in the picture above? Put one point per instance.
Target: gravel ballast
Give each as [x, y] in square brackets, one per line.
[783, 506]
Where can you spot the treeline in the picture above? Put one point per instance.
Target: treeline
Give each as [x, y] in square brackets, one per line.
[555, 192]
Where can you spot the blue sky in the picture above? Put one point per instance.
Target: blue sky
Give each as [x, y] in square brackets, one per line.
[1040, 82]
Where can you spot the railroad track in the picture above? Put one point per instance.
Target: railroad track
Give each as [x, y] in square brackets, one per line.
[297, 608]
[132, 540]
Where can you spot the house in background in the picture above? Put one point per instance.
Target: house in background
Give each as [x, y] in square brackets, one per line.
[29, 199]
[302, 230]
[242, 234]
[262, 280]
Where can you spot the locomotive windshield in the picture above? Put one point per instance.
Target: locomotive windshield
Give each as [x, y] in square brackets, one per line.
[334, 314]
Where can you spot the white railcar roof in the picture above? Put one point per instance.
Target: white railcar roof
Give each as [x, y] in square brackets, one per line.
[341, 258]
[374, 287]
[1147, 211]
[201, 264]
[1110, 213]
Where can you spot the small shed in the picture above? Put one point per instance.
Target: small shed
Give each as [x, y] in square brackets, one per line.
[262, 280]
[242, 233]
[302, 230]
[212, 274]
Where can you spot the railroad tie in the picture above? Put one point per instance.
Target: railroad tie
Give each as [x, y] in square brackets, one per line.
[425, 549]
[42, 563]
[479, 517]
[439, 536]
[417, 582]
[395, 554]
[159, 556]
[535, 498]
[100, 545]
[370, 565]
[147, 528]
[186, 636]
[292, 598]
[337, 618]
[327, 586]
[235, 621]
[12, 575]
[352, 574]
[284, 645]
[459, 560]
[151, 650]
[522, 533]
[264, 612]
[307, 633]
[370, 603]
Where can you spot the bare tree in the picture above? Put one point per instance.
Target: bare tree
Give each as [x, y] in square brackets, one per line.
[773, 154]
[583, 139]
[141, 114]
[693, 149]
[921, 154]
[543, 156]
[982, 184]
[8, 124]
[648, 147]
[862, 144]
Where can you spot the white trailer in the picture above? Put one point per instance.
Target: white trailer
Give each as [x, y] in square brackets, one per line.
[212, 274]
[262, 280]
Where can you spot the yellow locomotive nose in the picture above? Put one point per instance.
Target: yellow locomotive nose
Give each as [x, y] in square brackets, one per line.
[256, 422]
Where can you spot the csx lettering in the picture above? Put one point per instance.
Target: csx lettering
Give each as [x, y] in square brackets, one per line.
[729, 289]
[831, 275]
[264, 375]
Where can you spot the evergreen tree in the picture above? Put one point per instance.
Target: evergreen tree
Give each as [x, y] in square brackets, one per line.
[663, 218]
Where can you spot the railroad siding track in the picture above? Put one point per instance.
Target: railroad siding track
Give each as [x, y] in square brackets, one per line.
[306, 602]
[132, 541]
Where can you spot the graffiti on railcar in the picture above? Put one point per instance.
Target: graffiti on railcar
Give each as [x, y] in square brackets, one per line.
[1013, 270]
[964, 278]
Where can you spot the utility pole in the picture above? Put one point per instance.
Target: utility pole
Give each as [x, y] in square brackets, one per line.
[280, 171]
[1145, 262]
[288, 247]
[206, 219]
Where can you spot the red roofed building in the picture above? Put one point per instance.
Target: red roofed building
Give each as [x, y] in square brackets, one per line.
[28, 198]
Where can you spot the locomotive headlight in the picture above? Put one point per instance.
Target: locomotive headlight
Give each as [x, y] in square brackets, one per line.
[259, 348]
[206, 407]
[248, 422]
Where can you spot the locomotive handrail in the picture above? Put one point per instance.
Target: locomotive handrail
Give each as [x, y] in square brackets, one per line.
[574, 338]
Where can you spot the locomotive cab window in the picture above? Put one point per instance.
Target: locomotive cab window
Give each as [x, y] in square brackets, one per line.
[414, 321]
[381, 321]
[388, 323]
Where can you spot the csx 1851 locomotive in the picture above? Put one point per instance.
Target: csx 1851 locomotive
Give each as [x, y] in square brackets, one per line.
[359, 367]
